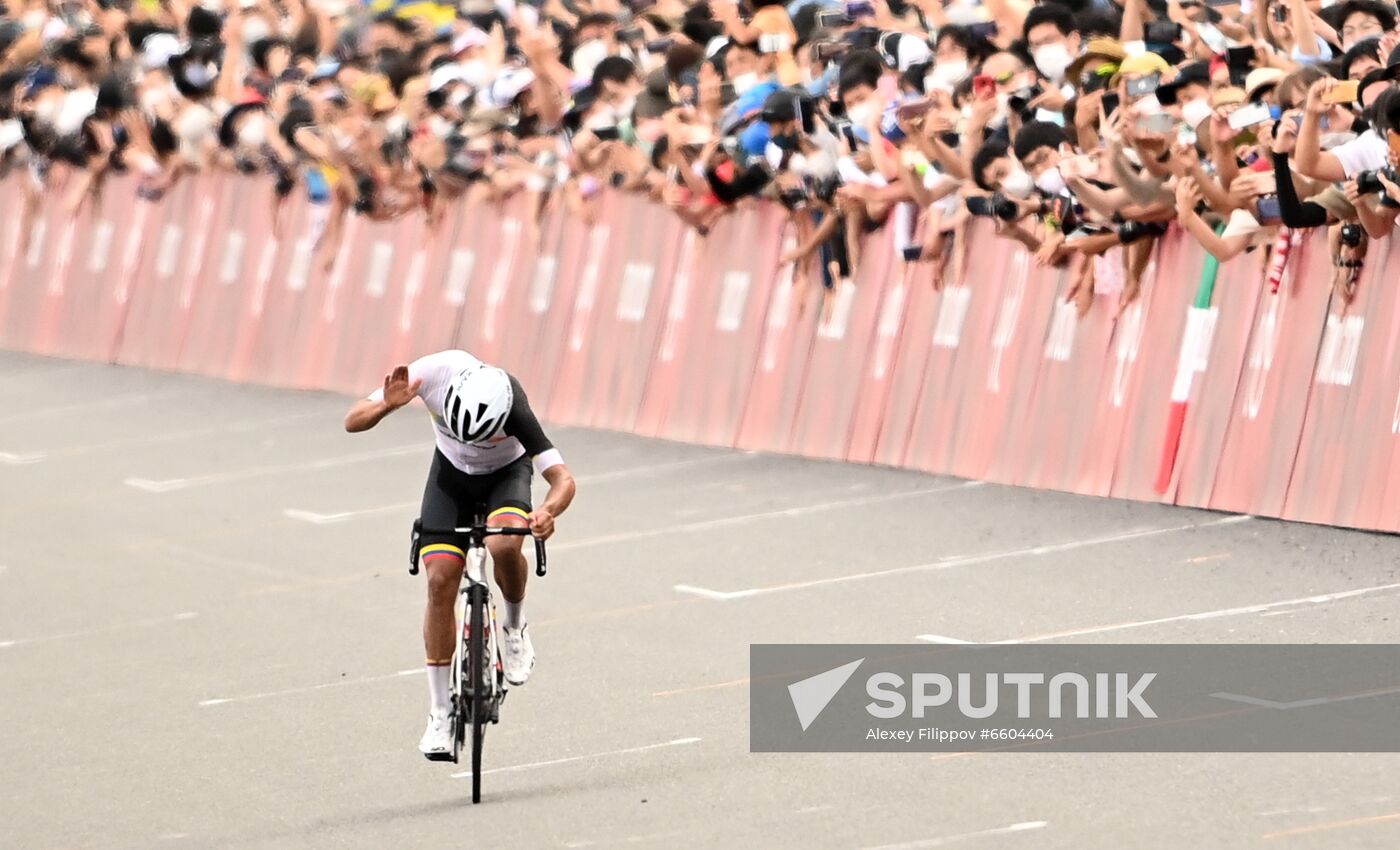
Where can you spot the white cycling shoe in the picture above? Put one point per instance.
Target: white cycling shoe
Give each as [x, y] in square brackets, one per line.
[436, 743]
[519, 655]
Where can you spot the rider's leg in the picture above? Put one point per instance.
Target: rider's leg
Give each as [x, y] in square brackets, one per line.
[511, 568]
[444, 563]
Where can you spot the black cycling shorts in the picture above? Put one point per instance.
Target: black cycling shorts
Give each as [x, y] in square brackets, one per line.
[452, 499]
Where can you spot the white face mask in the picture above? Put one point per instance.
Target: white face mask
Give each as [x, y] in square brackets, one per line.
[624, 109]
[255, 29]
[1196, 111]
[947, 75]
[253, 132]
[1050, 181]
[458, 96]
[1148, 105]
[744, 82]
[1003, 107]
[396, 124]
[861, 113]
[11, 134]
[1052, 60]
[1018, 183]
[439, 126]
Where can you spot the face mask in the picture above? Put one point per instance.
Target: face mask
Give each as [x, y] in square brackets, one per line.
[860, 113]
[11, 134]
[745, 82]
[1196, 111]
[946, 75]
[255, 29]
[396, 124]
[786, 141]
[1148, 105]
[1052, 60]
[999, 120]
[253, 132]
[1018, 183]
[458, 96]
[439, 126]
[1050, 181]
[625, 107]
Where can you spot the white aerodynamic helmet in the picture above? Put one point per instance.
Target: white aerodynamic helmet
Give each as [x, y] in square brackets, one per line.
[477, 403]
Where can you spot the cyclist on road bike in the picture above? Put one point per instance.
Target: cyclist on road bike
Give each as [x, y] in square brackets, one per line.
[488, 439]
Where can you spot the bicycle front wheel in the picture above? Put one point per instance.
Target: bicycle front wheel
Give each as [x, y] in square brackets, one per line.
[478, 688]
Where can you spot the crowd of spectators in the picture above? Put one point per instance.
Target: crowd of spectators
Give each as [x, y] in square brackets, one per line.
[1081, 129]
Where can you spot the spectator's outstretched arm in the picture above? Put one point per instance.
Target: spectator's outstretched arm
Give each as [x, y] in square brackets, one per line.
[1102, 202]
[1143, 190]
[1133, 28]
[1294, 212]
[1188, 195]
[1304, 35]
[232, 72]
[1311, 160]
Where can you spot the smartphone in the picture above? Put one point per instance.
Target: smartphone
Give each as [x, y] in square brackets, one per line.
[1269, 210]
[661, 45]
[1213, 38]
[1249, 115]
[1343, 92]
[859, 9]
[1110, 102]
[1144, 85]
[914, 108]
[607, 134]
[1162, 122]
[830, 19]
[1240, 57]
[1281, 13]
[984, 86]
[825, 51]
[983, 30]
[1162, 32]
[980, 205]
[1393, 141]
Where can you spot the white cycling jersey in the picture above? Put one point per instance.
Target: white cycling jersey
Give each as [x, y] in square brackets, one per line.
[520, 434]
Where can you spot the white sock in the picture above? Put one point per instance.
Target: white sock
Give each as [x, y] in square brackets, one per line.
[439, 687]
[515, 614]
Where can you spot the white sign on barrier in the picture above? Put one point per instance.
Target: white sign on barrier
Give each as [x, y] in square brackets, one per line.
[299, 269]
[542, 285]
[891, 317]
[36, 242]
[952, 312]
[680, 290]
[1125, 352]
[734, 295]
[381, 261]
[1059, 344]
[636, 291]
[168, 254]
[417, 267]
[233, 257]
[459, 275]
[840, 317]
[1341, 347]
[101, 246]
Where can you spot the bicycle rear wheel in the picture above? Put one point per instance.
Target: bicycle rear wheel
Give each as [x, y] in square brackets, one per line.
[478, 688]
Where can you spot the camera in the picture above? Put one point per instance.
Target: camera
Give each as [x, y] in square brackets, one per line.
[995, 205]
[1021, 98]
[1351, 235]
[1368, 183]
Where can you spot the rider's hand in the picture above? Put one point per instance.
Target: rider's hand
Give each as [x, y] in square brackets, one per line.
[542, 524]
[397, 390]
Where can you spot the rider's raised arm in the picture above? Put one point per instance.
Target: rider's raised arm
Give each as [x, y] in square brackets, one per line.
[397, 391]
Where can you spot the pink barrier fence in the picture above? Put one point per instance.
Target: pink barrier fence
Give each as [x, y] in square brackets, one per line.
[1274, 403]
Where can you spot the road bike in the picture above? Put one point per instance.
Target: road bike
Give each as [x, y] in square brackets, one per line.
[478, 676]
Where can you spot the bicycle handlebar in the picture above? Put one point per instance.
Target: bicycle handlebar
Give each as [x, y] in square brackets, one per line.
[476, 533]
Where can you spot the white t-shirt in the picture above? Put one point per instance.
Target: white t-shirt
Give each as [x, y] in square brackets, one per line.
[520, 434]
[1366, 152]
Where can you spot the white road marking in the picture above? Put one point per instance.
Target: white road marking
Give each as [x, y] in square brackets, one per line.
[571, 759]
[1210, 615]
[309, 689]
[318, 518]
[1302, 703]
[21, 458]
[944, 639]
[949, 563]
[168, 484]
[85, 407]
[721, 522]
[944, 841]
[154, 621]
[1311, 810]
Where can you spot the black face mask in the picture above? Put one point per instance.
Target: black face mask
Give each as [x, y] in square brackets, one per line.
[785, 141]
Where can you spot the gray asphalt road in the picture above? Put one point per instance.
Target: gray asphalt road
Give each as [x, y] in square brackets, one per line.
[207, 639]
